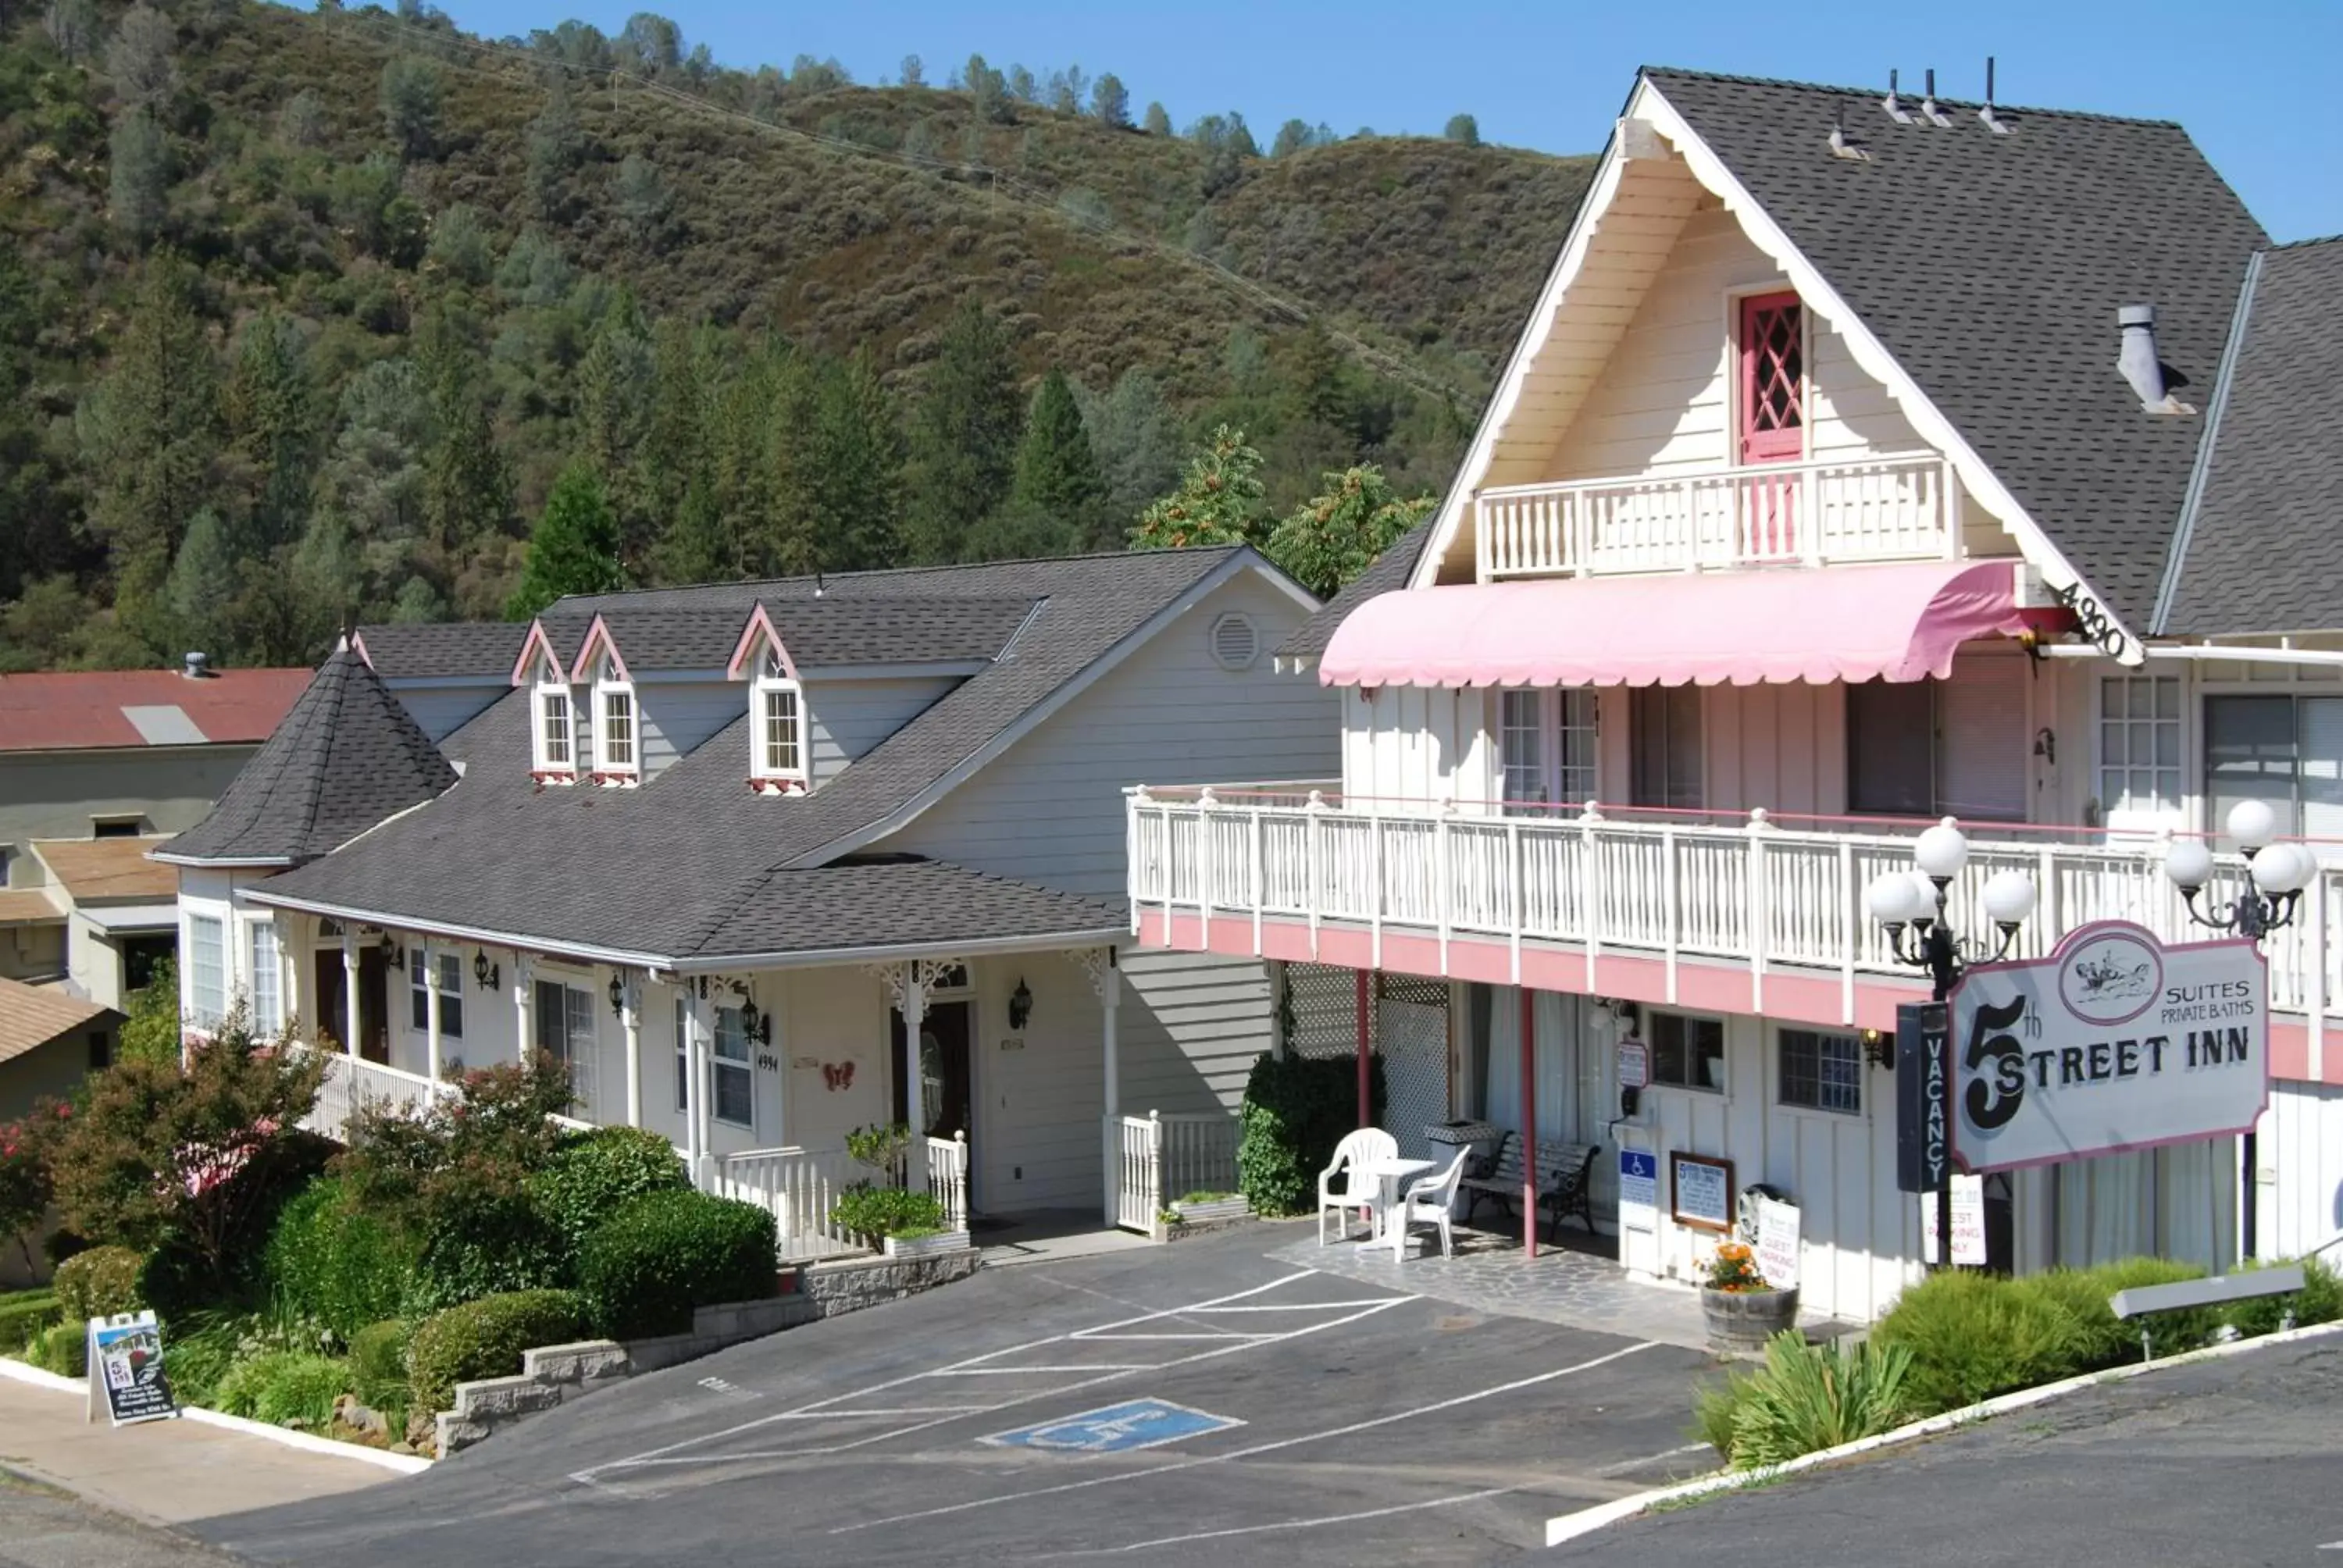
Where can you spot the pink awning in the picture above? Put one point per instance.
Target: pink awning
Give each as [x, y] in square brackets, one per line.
[1839, 623]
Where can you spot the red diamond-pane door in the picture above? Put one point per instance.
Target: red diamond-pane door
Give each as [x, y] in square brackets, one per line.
[1773, 421]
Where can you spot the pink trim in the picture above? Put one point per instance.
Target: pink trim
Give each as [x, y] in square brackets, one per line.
[599, 636]
[358, 647]
[1897, 622]
[1781, 446]
[522, 672]
[758, 621]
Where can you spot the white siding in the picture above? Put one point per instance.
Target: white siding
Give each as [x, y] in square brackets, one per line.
[675, 717]
[2301, 1147]
[1038, 1101]
[830, 1017]
[848, 717]
[442, 709]
[1193, 1026]
[1406, 748]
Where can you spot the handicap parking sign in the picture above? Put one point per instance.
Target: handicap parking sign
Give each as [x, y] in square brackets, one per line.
[1118, 1429]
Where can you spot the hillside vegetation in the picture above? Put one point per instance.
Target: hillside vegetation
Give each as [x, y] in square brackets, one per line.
[303, 314]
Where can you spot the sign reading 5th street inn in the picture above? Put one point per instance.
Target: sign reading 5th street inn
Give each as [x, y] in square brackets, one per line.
[2115, 1041]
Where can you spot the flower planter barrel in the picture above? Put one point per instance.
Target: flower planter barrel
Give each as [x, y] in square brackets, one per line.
[1746, 1320]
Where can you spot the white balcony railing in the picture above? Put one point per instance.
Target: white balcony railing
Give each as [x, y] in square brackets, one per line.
[1864, 509]
[797, 1187]
[352, 1082]
[1750, 893]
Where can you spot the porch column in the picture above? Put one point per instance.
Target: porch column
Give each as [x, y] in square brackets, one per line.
[1108, 978]
[634, 1026]
[1529, 1122]
[916, 977]
[350, 1025]
[695, 1144]
[1366, 990]
[524, 1008]
[431, 1009]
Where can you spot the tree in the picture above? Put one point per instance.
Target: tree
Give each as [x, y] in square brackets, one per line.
[963, 436]
[1136, 440]
[1463, 129]
[72, 27]
[1057, 473]
[1110, 102]
[1022, 86]
[987, 92]
[410, 105]
[557, 145]
[643, 199]
[301, 123]
[616, 387]
[914, 73]
[1292, 137]
[857, 469]
[373, 477]
[574, 548]
[160, 1156]
[1158, 122]
[203, 582]
[467, 496]
[654, 43]
[141, 57]
[140, 181]
[27, 1186]
[272, 431]
[462, 246]
[1334, 536]
[699, 548]
[1219, 502]
[1066, 88]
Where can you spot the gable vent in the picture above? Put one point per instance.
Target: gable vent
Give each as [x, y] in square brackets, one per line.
[1235, 643]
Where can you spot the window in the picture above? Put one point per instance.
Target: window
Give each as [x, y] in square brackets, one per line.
[780, 730]
[268, 977]
[1957, 747]
[2286, 750]
[1891, 747]
[8, 854]
[1687, 1052]
[615, 734]
[117, 826]
[1773, 380]
[1545, 746]
[563, 1022]
[451, 993]
[1821, 1071]
[101, 1050]
[142, 955]
[2139, 749]
[1521, 745]
[734, 1098]
[1664, 732]
[555, 753]
[206, 968]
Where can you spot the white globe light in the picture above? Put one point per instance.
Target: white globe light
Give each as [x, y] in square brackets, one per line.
[2252, 824]
[1942, 852]
[2008, 897]
[2189, 864]
[1890, 899]
[2282, 868]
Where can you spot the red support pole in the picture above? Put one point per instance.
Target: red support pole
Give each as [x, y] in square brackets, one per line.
[1529, 1122]
[1366, 1038]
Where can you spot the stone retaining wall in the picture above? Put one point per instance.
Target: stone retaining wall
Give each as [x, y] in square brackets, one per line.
[849, 1284]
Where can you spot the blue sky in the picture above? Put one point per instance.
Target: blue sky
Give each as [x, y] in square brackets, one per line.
[2255, 81]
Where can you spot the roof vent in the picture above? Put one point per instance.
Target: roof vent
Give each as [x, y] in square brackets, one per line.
[1928, 110]
[1985, 113]
[1235, 644]
[1840, 147]
[1894, 108]
[2138, 360]
[197, 668]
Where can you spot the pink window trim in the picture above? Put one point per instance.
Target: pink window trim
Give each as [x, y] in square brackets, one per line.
[1760, 359]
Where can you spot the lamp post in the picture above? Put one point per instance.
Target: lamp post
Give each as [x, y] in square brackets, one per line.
[2275, 875]
[1911, 906]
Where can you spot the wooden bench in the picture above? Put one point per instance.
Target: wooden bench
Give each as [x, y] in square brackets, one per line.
[1565, 1180]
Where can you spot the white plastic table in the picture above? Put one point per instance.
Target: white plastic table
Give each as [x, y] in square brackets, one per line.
[1387, 1174]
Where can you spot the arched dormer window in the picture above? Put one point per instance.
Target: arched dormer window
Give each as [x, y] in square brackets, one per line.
[777, 729]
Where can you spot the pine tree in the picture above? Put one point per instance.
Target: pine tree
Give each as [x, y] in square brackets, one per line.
[203, 583]
[699, 548]
[676, 453]
[574, 548]
[138, 178]
[1110, 102]
[859, 474]
[643, 200]
[963, 436]
[410, 105]
[467, 492]
[1463, 129]
[1057, 472]
[614, 390]
[1158, 122]
[273, 426]
[141, 57]
[1136, 439]
[557, 146]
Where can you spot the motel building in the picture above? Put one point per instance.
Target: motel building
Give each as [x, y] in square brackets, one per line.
[1868, 460]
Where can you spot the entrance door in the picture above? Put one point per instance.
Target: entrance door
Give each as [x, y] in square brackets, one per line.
[946, 1101]
[330, 998]
[374, 1004]
[1772, 421]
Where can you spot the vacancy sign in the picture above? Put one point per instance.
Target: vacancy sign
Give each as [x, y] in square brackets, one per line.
[2115, 1041]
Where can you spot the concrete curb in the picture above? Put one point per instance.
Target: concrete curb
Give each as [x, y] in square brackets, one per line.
[403, 1464]
[1571, 1526]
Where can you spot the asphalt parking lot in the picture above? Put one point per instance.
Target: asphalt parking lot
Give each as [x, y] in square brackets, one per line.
[1169, 1405]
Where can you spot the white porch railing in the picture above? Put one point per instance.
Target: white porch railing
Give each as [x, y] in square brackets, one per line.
[1137, 1181]
[352, 1082]
[947, 1178]
[1748, 892]
[1865, 509]
[1161, 1158]
[798, 1187]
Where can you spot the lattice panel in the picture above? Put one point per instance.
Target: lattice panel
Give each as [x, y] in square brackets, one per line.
[1414, 1038]
[1323, 1009]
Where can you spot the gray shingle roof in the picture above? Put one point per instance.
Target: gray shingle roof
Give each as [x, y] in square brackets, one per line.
[345, 757]
[442, 651]
[1991, 267]
[852, 631]
[679, 866]
[888, 903]
[1389, 574]
[2263, 548]
[649, 640]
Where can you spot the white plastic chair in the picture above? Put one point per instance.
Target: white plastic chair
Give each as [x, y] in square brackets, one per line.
[1358, 1190]
[1427, 1203]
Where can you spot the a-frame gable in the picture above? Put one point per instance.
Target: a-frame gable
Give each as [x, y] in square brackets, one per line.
[757, 638]
[536, 652]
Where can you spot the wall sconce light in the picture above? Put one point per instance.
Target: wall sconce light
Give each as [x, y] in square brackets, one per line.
[1020, 1005]
[489, 975]
[394, 953]
[2046, 747]
[617, 996]
[1878, 1049]
[755, 1024]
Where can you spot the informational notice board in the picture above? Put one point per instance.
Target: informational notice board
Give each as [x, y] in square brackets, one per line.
[126, 1369]
[1777, 1252]
[1703, 1191]
[1634, 1063]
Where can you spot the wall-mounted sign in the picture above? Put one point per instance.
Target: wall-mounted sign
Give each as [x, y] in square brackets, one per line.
[1701, 1191]
[1639, 1189]
[126, 1369]
[1634, 1063]
[2114, 1041]
[1776, 1248]
[1968, 1223]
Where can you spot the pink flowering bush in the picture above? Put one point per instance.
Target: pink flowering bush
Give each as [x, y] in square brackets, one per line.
[26, 1187]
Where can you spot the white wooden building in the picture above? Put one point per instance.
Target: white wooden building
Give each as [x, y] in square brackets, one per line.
[1839, 482]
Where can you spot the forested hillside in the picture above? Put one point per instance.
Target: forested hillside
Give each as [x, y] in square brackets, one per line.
[309, 317]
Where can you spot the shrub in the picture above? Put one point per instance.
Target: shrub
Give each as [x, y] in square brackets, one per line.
[2320, 1301]
[26, 1186]
[484, 1339]
[64, 1349]
[283, 1388]
[872, 1213]
[330, 1260]
[592, 1176]
[1806, 1398]
[1972, 1336]
[2099, 1338]
[22, 1315]
[648, 1266]
[378, 1362]
[1295, 1110]
[98, 1284]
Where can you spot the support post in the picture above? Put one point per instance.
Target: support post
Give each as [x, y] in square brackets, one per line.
[1529, 1122]
[915, 1013]
[695, 1008]
[431, 1010]
[524, 1008]
[634, 1037]
[1110, 984]
[1366, 1001]
[350, 1025]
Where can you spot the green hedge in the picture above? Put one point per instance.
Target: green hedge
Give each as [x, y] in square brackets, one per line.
[2320, 1301]
[283, 1388]
[1295, 1110]
[24, 1315]
[379, 1362]
[1972, 1336]
[593, 1175]
[484, 1339]
[62, 1349]
[872, 1212]
[98, 1284]
[329, 1260]
[647, 1267]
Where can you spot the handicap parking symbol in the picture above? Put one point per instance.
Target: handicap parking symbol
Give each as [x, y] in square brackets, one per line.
[1118, 1429]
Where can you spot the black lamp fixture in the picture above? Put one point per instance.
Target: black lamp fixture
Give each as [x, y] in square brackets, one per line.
[755, 1023]
[489, 975]
[1878, 1049]
[1912, 902]
[2276, 874]
[1021, 1004]
[618, 995]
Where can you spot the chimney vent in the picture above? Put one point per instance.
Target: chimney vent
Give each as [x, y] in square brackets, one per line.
[1928, 110]
[1985, 113]
[1894, 109]
[197, 668]
[2137, 359]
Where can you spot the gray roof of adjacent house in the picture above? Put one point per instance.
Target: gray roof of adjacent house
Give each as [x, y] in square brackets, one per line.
[1992, 266]
[344, 759]
[2260, 547]
[693, 866]
[437, 651]
[1389, 574]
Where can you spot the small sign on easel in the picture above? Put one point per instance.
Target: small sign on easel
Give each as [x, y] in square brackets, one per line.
[126, 1369]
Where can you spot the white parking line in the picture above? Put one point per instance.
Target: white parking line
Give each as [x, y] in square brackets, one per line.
[1288, 1524]
[1020, 1372]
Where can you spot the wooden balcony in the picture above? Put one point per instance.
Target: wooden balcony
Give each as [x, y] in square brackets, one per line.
[1816, 514]
[1748, 914]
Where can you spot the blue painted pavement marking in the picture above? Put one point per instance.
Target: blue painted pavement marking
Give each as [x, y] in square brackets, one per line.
[1117, 1429]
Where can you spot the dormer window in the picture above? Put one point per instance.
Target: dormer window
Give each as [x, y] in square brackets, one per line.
[553, 735]
[616, 754]
[777, 733]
